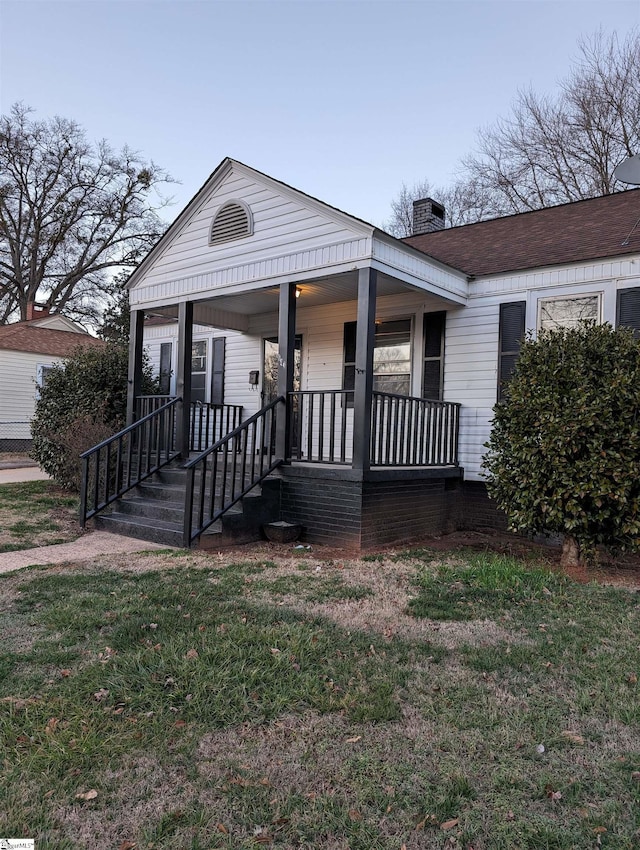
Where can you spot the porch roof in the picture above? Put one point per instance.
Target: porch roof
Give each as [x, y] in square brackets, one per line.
[232, 310]
[297, 239]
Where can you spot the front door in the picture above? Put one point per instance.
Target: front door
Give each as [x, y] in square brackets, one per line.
[270, 379]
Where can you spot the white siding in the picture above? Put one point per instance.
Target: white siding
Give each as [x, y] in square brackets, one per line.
[471, 356]
[18, 389]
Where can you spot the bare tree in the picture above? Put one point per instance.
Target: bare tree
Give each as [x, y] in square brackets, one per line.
[463, 202]
[69, 213]
[551, 150]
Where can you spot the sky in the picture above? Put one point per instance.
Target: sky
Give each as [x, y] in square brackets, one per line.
[343, 100]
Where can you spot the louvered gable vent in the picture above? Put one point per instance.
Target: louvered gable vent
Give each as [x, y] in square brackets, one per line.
[232, 221]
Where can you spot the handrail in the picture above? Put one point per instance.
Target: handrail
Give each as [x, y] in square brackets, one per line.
[123, 460]
[226, 471]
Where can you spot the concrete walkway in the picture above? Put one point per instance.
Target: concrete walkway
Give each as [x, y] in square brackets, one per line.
[17, 474]
[84, 548]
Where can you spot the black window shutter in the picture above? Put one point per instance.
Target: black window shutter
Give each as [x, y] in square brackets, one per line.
[165, 368]
[433, 366]
[512, 327]
[628, 312]
[349, 373]
[217, 371]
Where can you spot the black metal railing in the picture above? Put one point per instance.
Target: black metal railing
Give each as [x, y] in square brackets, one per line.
[409, 431]
[209, 423]
[320, 428]
[121, 462]
[146, 404]
[229, 469]
[405, 431]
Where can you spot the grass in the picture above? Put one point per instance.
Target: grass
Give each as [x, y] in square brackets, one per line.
[213, 704]
[36, 513]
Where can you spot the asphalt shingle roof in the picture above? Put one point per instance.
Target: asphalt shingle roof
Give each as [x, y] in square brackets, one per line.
[23, 336]
[569, 233]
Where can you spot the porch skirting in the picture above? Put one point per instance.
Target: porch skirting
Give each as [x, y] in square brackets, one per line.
[346, 507]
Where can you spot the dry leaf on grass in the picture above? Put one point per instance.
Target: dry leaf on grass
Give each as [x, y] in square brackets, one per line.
[50, 728]
[574, 737]
[87, 795]
[449, 824]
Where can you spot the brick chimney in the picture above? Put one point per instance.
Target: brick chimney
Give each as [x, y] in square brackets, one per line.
[428, 215]
[36, 312]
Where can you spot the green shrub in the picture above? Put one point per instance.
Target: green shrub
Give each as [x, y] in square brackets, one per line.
[564, 452]
[83, 401]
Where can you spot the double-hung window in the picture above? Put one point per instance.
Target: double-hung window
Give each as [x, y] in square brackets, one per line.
[391, 357]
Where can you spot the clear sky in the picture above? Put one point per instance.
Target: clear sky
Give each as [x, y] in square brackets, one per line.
[343, 100]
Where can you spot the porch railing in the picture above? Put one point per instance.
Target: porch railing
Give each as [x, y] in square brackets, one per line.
[409, 431]
[211, 422]
[405, 431]
[319, 426]
[208, 423]
[119, 463]
[229, 469]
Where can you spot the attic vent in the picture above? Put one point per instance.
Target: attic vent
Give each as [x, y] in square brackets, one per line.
[232, 221]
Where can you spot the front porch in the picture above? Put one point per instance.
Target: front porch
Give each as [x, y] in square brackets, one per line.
[399, 492]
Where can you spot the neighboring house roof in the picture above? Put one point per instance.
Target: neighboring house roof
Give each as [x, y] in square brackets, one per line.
[608, 226]
[57, 322]
[24, 336]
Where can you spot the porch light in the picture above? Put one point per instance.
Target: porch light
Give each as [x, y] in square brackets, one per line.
[298, 292]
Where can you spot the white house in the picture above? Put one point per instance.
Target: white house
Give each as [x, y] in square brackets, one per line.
[27, 351]
[383, 357]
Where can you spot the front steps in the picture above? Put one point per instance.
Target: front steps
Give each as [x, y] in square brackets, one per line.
[154, 511]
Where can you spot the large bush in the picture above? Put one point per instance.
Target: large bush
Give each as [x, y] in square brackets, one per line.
[83, 401]
[564, 452]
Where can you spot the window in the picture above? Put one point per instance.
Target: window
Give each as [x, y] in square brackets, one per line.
[391, 357]
[554, 313]
[433, 367]
[232, 221]
[42, 373]
[198, 370]
[165, 368]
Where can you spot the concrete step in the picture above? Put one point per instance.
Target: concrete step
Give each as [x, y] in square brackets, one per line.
[154, 511]
[142, 528]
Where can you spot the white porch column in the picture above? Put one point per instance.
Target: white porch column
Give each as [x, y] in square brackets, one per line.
[134, 382]
[286, 365]
[183, 376]
[363, 385]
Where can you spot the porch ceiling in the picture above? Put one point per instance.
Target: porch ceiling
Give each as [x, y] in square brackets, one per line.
[321, 290]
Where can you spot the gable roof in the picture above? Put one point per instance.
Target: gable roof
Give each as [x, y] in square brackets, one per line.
[214, 179]
[24, 336]
[568, 233]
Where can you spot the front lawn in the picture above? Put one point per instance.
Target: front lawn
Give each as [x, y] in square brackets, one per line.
[36, 513]
[405, 701]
